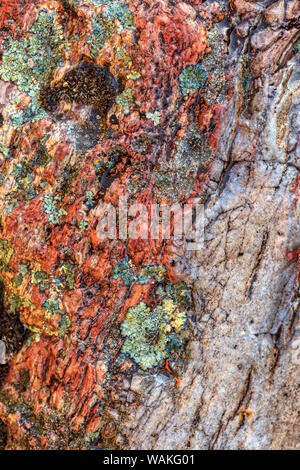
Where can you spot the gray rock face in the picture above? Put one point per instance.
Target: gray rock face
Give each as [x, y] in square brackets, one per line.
[240, 389]
[216, 121]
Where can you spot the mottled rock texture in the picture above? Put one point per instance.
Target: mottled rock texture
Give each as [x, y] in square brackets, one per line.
[160, 102]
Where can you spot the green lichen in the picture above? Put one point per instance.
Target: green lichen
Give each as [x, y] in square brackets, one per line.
[246, 74]
[126, 99]
[6, 253]
[17, 280]
[165, 187]
[128, 272]
[192, 152]
[52, 306]
[120, 11]
[104, 27]
[122, 55]
[124, 270]
[22, 272]
[98, 3]
[91, 437]
[155, 117]
[15, 302]
[89, 199]
[67, 275]
[179, 292]
[50, 207]
[42, 156]
[23, 190]
[134, 75]
[152, 334]
[152, 272]
[214, 64]
[64, 280]
[30, 62]
[23, 269]
[191, 78]
[41, 279]
[83, 224]
[5, 150]
[101, 32]
[64, 324]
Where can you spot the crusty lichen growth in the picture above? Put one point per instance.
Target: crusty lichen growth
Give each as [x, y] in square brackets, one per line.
[30, 62]
[114, 17]
[101, 32]
[192, 78]
[126, 271]
[50, 207]
[153, 335]
[6, 253]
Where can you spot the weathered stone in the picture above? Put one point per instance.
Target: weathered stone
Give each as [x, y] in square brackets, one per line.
[292, 10]
[264, 39]
[274, 14]
[143, 343]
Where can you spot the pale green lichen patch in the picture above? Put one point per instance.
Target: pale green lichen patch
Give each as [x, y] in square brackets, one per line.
[89, 198]
[149, 333]
[23, 189]
[41, 279]
[104, 26]
[53, 287]
[52, 307]
[192, 78]
[5, 150]
[175, 179]
[67, 271]
[134, 75]
[126, 99]
[155, 117]
[6, 253]
[129, 273]
[152, 272]
[120, 11]
[22, 273]
[154, 335]
[124, 270]
[30, 62]
[51, 208]
[15, 302]
[100, 33]
[66, 278]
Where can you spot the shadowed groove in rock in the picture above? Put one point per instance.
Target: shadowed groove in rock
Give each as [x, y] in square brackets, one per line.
[12, 330]
[3, 435]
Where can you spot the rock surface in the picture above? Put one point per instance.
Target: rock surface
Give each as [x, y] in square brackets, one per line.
[159, 102]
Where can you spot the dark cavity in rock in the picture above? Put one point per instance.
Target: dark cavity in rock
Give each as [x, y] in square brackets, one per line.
[12, 331]
[3, 435]
[85, 84]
